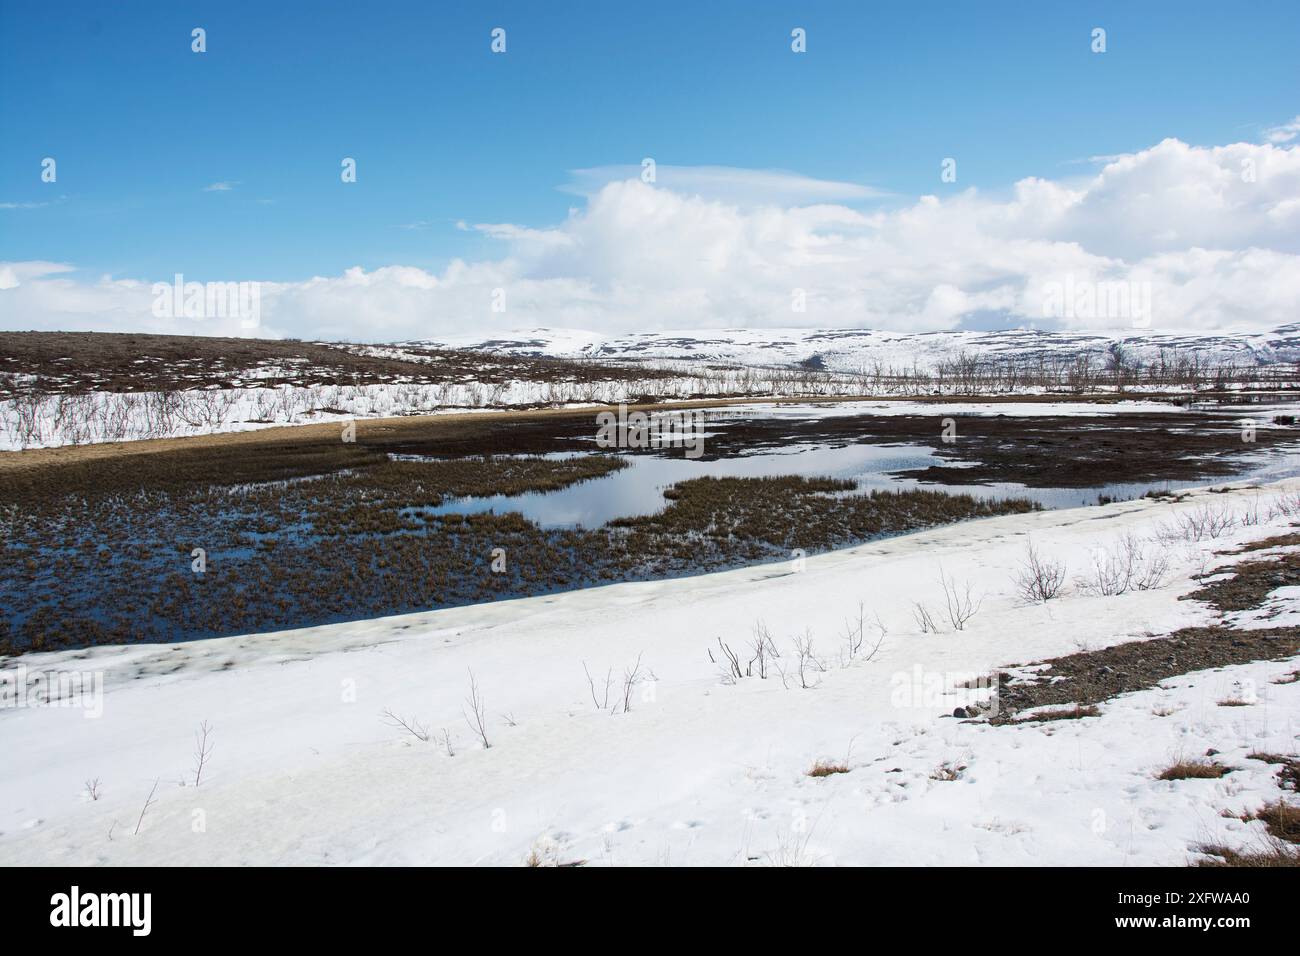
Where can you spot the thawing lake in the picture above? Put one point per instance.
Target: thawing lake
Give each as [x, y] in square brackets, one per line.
[638, 489]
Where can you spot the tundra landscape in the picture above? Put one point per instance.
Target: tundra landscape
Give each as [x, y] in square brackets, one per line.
[916, 597]
[729, 437]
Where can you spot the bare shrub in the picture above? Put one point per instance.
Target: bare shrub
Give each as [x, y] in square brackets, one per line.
[602, 700]
[731, 671]
[92, 788]
[1286, 504]
[1150, 568]
[960, 603]
[1127, 565]
[807, 663]
[757, 661]
[632, 677]
[855, 637]
[411, 726]
[444, 741]
[763, 649]
[924, 619]
[1039, 579]
[1251, 515]
[1199, 524]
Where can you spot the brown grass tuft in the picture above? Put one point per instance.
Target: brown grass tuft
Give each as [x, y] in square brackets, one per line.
[1192, 770]
[1274, 855]
[824, 768]
[1281, 818]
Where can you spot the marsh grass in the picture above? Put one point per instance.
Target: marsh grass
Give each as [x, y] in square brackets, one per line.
[114, 568]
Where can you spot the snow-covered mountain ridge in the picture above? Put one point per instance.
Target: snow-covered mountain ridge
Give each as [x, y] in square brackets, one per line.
[858, 349]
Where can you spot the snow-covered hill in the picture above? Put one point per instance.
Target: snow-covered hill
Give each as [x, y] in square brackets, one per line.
[858, 349]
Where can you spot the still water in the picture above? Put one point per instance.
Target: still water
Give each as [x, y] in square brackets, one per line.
[638, 489]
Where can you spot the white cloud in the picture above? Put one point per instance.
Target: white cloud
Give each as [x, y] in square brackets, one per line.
[1283, 133]
[14, 274]
[220, 187]
[1214, 231]
[511, 233]
[746, 187]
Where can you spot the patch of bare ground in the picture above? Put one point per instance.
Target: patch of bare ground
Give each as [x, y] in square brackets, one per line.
[1091, 677]
[1250, 582]
[1288, 774]
[79, 362]
[1076, 712]
[1264, 544]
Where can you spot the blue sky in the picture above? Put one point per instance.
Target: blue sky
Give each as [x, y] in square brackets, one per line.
[443, 130]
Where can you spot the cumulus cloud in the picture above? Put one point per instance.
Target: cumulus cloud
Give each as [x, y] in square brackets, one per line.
[1211, 233]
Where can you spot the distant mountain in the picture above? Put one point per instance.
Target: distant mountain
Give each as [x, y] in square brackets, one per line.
[856, 349]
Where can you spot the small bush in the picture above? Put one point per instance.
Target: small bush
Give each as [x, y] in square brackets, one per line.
[1039, 579]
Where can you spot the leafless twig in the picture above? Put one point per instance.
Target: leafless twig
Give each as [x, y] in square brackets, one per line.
[476, 716]
[149, 802]
[412, 726]
[201, 750]
[602, 702]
